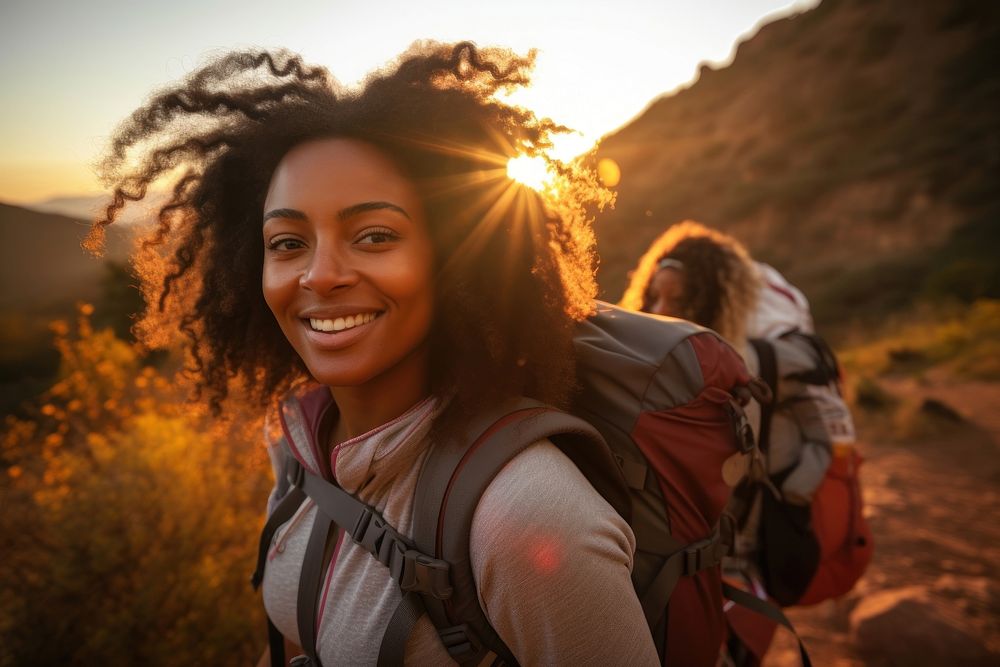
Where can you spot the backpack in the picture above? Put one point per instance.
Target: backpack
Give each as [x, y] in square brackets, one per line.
[657, 428]
[813, 552]
[781, 306]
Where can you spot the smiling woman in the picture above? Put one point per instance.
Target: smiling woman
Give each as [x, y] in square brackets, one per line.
[360, 264]
[434, 118]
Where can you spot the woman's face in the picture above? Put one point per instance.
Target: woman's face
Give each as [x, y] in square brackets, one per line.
[665, 294]
[347, 261]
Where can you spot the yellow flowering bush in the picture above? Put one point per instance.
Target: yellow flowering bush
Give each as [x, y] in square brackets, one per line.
[130, 518]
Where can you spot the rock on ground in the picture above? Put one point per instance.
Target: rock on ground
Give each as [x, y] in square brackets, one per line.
[916, 625]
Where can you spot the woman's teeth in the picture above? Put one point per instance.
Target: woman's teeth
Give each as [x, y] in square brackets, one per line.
[341, 323]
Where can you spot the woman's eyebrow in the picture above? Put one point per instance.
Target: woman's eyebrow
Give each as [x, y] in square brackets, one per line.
[284, 213]
[364, 207]
[343, 214]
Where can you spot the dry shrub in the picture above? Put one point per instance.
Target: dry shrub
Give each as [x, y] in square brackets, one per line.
[130, 518]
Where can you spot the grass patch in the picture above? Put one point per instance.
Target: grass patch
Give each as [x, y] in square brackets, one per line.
[963, 269]
[967, 340]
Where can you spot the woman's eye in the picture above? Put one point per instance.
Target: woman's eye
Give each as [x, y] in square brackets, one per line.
[377, 236]
[284, 243]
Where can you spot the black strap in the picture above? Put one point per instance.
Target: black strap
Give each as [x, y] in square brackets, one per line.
[685, 562]
[413, 570]
[276, 645]
[285, 510]
[310, 582]
[401, 625]
[287, 507]
[768, 610]
[768, 364]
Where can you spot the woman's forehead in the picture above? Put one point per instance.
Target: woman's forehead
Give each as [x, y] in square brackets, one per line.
[330, 170]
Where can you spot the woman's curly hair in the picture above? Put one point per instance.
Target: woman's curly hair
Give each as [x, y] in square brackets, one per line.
[720, 281]
[514, 272]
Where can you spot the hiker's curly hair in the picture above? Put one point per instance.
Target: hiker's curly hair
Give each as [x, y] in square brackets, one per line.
[514, 272]
[720, 281]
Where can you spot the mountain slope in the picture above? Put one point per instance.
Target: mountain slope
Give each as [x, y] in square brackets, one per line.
[855, 146]
[42, 266]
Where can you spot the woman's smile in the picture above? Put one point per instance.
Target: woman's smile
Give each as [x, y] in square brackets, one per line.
[341, 323]
[336, 333]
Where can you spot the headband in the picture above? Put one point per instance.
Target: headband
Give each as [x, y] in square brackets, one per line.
[670, 263]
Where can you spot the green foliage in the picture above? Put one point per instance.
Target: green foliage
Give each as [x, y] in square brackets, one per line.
[966, 266]
[965, 340]
[866, 293]
[965, 278]
[120, 300]
[29, 362]
[963, 269]
[130, 519]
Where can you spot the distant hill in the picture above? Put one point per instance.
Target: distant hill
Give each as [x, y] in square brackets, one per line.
[855, 146]
[87, 207]
[43, 269]
[80, 207]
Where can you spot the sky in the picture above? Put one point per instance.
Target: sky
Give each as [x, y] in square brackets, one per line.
[71, 70]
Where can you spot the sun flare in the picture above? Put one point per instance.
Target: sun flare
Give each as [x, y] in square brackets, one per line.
[529, 170]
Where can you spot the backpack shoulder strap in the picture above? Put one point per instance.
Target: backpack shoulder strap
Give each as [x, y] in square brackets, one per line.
[767, 610]
[769, 373]
[414, 572]
[451, 483]
[826, 369]
[289, 486]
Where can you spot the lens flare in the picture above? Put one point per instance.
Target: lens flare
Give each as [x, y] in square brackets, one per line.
[609, 172]
[529, 170]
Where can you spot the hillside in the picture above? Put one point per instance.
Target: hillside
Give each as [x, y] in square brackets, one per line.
[42, 266]
[855, 146]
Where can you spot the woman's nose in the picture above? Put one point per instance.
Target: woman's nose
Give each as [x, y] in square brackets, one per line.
[328, 270]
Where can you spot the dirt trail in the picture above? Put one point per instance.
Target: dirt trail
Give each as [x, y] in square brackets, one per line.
[933, 501]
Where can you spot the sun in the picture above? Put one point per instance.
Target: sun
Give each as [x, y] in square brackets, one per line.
[529, 170]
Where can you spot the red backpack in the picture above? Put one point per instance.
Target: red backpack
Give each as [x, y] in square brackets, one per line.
[657, 418]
